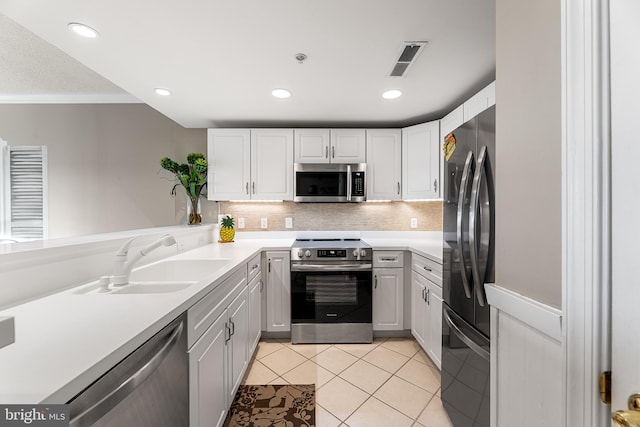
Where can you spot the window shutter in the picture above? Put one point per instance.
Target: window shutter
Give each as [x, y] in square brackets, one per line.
[26, 213]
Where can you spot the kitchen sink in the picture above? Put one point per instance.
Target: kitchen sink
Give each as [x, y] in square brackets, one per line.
[162, 277]
[178, 270]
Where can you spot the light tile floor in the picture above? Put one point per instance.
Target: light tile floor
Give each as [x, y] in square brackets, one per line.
[390, 382]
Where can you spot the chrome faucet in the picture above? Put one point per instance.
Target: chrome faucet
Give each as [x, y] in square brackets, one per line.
[123, 265]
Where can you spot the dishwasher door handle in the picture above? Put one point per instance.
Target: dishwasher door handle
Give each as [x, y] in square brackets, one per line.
[110, 399]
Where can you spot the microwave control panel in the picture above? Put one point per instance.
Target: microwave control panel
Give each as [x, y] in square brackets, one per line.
[357, 185]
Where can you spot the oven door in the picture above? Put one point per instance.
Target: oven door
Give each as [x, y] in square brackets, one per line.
[331, 293]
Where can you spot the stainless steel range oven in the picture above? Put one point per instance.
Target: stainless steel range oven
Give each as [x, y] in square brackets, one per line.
[331, 285]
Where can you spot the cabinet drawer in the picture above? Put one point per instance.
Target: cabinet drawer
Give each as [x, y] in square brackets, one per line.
[211, 306]
[388, 259]
[427, 268]
[253, 267]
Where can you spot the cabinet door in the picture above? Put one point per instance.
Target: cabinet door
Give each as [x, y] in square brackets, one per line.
[207, 376]
[278, 291]
[229, 172]
[311, 145]
[384, 165]
[421, 161]
[479, 102]
[255, 315]
[272, 164]
[451, 122]
[348, 146]
[418, 309]
[388, 299]
[434, 308]
[238, 346]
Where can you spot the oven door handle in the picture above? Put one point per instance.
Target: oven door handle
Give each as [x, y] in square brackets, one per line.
[330, 267]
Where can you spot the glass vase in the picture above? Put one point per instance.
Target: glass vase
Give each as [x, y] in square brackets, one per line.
[194, 211]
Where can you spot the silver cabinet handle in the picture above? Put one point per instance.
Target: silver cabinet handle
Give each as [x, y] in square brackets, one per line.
[435, 185]
[253, 187]
[427, 268]
[424, 298]
[126, 387]
[326, 152]
[227, 332]
[333, 152]
[254, 266]
[477, 270]
[389, 258]
[233, 328]
[247, 187]
[269, 265]
[398, 187]
[428, 298]
[375, 281]
[462, 197]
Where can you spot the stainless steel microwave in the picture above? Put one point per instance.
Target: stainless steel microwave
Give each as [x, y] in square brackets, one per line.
[332, 183]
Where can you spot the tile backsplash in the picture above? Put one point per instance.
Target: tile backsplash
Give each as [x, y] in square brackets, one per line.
[368, 216]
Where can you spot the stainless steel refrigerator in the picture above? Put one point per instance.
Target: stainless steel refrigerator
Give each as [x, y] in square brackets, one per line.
[468, 264]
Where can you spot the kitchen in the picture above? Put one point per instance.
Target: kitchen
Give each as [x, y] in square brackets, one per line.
[540, 68]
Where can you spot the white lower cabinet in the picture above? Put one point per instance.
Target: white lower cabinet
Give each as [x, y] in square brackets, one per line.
[426, 306]
[278, 285]
[388, 299]
[219, 356]
[255, 312]
[207, 377]
[238, 343]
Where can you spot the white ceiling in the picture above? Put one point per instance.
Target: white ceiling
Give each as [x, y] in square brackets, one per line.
[221, 59]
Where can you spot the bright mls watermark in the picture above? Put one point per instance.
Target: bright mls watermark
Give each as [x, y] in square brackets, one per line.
[34, 415]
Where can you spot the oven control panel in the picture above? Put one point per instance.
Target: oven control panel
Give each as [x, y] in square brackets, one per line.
[332, 253]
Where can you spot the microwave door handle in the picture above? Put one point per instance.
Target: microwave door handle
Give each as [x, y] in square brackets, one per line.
[348, 183]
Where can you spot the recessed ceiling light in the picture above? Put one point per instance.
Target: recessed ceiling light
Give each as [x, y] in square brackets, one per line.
[392, 94]
[162, 91]
[83, 30]
[281, 93]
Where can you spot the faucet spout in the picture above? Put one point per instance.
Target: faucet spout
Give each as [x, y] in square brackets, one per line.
[123, 264]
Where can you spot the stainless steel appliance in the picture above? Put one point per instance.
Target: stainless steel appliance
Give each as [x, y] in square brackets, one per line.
[468, 265]
[325, 182]
[150, 387]
[331, 291]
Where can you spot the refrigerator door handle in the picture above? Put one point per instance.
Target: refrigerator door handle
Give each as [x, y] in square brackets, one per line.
[476, 348]
[478, 270]
[462, 196]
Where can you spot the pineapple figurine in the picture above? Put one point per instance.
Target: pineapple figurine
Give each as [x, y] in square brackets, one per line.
[227, 232]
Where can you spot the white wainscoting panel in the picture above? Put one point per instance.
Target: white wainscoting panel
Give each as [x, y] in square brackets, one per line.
[526, 362]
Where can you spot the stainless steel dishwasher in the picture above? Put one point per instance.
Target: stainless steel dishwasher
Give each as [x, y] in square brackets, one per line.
[150, 387]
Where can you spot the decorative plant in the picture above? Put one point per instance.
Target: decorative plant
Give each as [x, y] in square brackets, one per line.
[192, 176]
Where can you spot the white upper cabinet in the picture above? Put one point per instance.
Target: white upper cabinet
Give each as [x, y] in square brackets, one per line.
[312, 145]
[348, 146]
[451, 121]
[479, 102]
[384, 168]
[421, 161]
[250, 164]
[330, 146]
[272, 164]
[229, 172]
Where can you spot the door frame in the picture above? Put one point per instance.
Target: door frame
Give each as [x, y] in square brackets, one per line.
[586, 207]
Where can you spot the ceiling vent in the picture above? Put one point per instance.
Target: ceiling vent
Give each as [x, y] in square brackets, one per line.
[408, 55]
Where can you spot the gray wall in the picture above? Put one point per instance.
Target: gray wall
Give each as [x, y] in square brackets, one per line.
[528, 149]
[104, 172]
